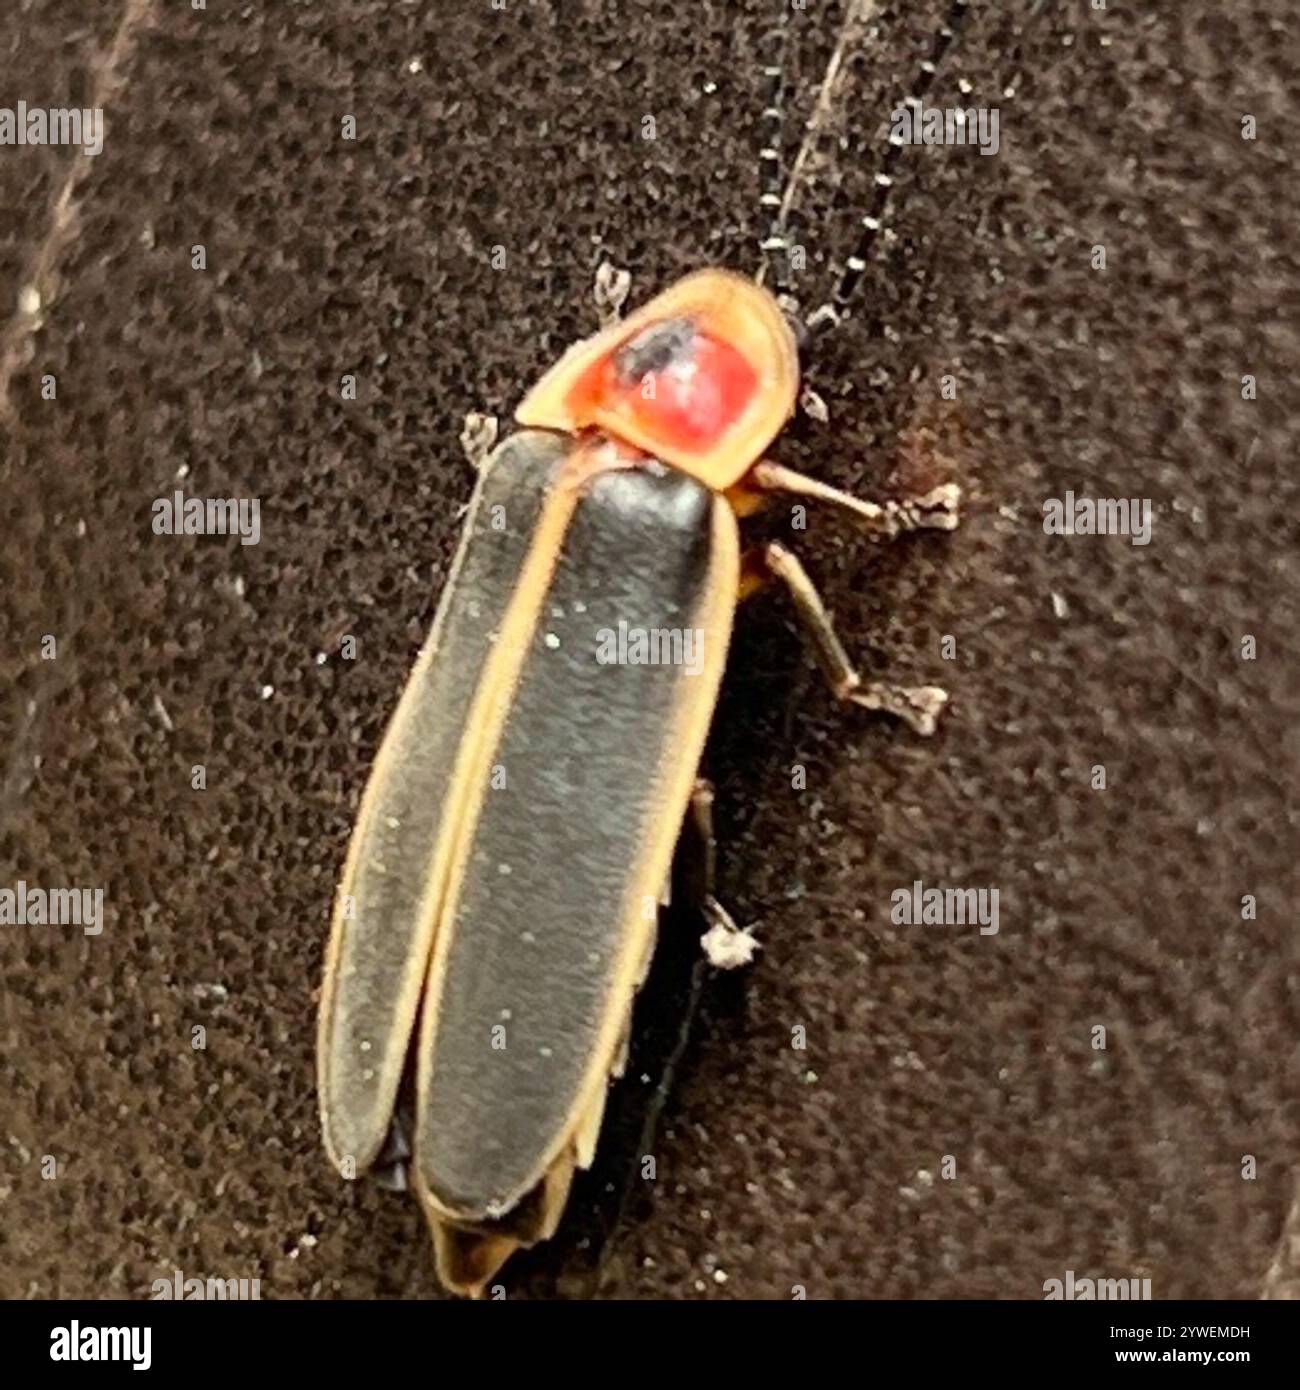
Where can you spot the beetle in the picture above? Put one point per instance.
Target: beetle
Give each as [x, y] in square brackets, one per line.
[497, 909]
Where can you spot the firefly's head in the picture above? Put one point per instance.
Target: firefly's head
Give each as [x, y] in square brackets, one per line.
[703, 377]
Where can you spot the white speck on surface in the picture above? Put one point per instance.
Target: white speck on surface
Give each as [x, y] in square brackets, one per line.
[527, 937]
[268, 691]
[414, 66]
[392, 822]
[182, 472]
[321, 658]
[160, 710]
[552, 641]
[504, 870]
[1059, 606]
[728, 948]
[366, 1044]
[29, 300]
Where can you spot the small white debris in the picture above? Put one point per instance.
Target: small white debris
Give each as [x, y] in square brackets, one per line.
[321, 658]
[1059, 606]
[161, 711]
[182, 472]
[267, 691]
[29, 300]
[415, 65]
[728, 947]
[813, 406]
[552, 641]
[217, 992]
[504, 870]
[719, 1276]
[710, 88]
[81, 528]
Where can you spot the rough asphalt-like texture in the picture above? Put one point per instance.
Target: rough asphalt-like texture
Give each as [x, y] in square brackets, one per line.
[523, 128]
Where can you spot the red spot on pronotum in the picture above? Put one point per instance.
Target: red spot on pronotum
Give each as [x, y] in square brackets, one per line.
[683, 386]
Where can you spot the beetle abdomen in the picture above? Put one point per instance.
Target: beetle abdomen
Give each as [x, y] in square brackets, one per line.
[592, 735]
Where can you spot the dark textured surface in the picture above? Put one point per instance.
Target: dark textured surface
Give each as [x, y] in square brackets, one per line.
[523, 129]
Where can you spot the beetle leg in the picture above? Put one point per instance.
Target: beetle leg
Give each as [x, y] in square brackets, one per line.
[478, 437]
[725, 944]
[917, 705]
[611, 292]
[936, 510]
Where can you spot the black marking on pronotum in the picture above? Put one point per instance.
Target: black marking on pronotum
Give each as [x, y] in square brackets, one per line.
[659, 347]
